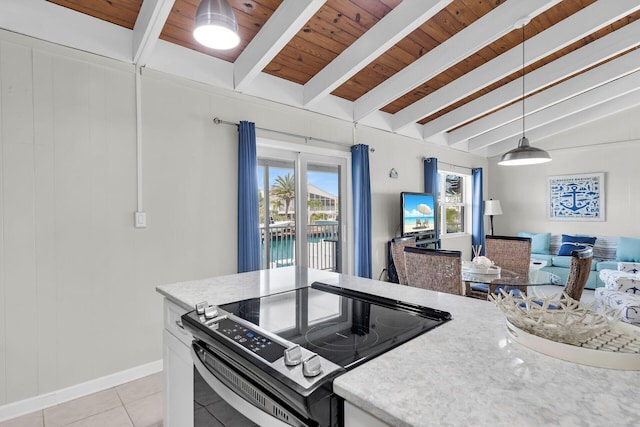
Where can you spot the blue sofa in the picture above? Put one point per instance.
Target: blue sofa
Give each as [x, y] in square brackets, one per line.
[607, 252]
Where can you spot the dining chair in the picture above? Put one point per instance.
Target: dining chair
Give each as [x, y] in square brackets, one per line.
[434, 269]
[397, 254]
[578, 273]
[509, 253]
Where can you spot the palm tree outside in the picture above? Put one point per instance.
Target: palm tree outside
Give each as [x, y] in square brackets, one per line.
[284, 189]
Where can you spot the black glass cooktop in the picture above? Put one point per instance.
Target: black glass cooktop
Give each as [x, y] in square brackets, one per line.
[343, 326]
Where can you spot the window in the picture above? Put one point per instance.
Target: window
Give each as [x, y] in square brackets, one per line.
[454, 200]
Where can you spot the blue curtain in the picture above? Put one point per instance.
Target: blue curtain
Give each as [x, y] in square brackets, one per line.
[477, 209]
[248, 204]
[432, 184]
[361, 184]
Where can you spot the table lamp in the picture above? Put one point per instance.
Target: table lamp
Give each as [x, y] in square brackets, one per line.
[491, 208]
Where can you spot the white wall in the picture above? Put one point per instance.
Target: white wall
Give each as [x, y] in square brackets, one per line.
[77, 280]
[405, 155]
[610, 145]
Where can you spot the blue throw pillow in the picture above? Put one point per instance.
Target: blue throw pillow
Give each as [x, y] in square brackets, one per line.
[628, 249]
[539, 242]
[573, 243]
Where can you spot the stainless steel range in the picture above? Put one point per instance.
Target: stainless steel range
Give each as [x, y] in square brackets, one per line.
[274, 358]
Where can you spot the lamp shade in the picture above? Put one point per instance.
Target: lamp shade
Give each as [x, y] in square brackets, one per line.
[492, 207]
[524, 154]
[216, 25]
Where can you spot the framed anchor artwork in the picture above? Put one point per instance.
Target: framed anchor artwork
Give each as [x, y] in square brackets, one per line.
[576, 197]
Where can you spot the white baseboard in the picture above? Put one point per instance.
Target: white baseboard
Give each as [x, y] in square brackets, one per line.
[36, 403]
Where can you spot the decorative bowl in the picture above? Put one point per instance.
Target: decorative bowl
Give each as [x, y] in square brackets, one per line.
[475, 268]
[563, 320]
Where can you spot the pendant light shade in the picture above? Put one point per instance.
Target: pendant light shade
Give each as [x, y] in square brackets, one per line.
[524, 154]
[216, 25]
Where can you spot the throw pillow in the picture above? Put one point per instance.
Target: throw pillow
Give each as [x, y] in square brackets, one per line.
[539, 242]
[628, 249]
[573, 243]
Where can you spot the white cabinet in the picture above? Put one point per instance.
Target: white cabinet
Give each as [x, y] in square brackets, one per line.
[356, 417]
[178, 369]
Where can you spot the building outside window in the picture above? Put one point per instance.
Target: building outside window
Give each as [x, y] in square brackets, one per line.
[455, 201]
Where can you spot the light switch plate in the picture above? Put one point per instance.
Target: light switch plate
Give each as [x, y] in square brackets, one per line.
[140, 219]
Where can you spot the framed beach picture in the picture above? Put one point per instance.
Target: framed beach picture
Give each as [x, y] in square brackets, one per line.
[576, 197]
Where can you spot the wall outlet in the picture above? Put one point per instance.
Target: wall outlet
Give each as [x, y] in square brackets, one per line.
[140, 220]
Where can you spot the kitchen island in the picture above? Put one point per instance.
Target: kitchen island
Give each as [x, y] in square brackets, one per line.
[465, 372]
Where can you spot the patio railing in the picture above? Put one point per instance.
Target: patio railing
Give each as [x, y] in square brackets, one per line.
[278, 246]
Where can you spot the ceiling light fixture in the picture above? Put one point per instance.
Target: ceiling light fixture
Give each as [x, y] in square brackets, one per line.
[524, 154]
[216, 25]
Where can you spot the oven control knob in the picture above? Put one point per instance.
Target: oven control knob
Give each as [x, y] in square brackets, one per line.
[311, 366]
[210, 312]
[293, 355]
[201, 306]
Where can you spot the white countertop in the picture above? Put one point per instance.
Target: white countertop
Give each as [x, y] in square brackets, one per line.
[466, 372]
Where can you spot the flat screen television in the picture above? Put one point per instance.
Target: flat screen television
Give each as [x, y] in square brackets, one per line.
[418, 214]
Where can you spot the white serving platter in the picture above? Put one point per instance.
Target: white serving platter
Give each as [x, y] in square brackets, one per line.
[617, 347]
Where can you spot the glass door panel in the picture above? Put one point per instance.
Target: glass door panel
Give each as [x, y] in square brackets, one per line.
[277, 194]
[323, 216]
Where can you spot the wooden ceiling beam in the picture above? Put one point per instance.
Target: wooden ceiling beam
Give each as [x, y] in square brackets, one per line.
[395, 26]
[56, 24]
[283, 25]
[573, 63]
[574, 120]
[481, 33]
[609, 80]
[146, 31]
[575, 27]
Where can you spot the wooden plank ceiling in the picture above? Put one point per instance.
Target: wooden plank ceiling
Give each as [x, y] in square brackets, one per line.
[448, 71]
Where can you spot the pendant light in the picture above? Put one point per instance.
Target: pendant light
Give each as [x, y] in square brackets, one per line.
[216, 25]
[524, 154]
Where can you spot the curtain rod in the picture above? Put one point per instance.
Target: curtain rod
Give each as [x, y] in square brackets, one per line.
[219, 121]
[451, 164]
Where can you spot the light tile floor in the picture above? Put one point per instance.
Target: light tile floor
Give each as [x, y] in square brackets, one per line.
[134, 404]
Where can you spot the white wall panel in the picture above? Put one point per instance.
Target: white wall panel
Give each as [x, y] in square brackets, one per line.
[47, 307]
[610, 145]
[3, 337]
[18, 221]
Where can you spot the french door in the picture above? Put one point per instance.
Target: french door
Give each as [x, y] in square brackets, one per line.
[302, 208]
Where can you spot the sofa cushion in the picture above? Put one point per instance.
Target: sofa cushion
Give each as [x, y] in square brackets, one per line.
[628, 249]
[607, 265]
[565, 261]
[626, 303]
[630, 267]
[539, 242]
[605, 248]
[627, 284]
[563, 274]
[572, 243]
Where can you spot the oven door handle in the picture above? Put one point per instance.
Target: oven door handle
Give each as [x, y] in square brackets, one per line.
[239, 403]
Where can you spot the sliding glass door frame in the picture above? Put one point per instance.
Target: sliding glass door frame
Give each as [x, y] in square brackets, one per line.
[303, 156]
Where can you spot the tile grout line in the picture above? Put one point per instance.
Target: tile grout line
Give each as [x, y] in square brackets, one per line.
[94, 414]
[124, 407]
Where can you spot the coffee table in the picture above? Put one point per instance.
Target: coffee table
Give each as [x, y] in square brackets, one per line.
[511, 280]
